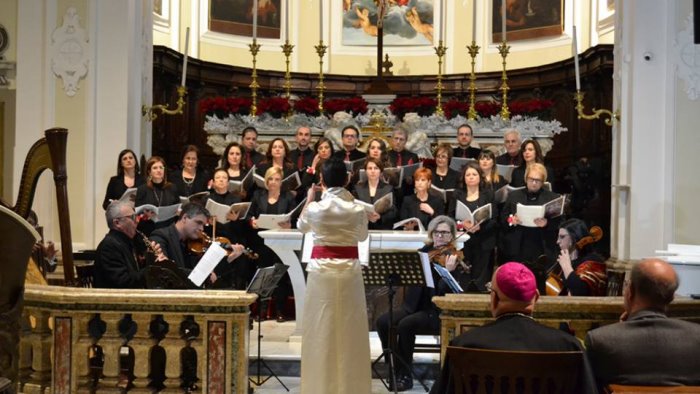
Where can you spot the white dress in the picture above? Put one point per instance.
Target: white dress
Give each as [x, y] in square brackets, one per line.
[335, 355]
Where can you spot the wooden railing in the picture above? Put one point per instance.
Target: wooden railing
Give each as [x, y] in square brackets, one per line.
[102, 340]
[461, 312]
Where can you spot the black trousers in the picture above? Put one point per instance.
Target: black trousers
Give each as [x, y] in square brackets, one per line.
[407, 326]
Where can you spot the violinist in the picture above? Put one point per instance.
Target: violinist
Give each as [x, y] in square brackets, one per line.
[116, 266]
[417, 314]
[582, 270]
[189, 226]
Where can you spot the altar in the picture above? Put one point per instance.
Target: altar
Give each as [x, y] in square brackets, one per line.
[286, 243]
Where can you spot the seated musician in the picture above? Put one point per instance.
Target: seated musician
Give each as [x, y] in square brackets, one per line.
[372, 190]
[417, 314]
[421, 205]
[116, 265]
[583, 270]
[189, 227]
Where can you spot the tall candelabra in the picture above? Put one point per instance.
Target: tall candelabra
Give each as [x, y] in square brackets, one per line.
[473, 51]
[440, 52]
[503, 49]
[321, 50]
[287, 50]
[596, 112]
[254, 49]
[150, 112]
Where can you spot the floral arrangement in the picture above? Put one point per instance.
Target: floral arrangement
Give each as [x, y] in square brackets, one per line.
[423, 106]
[223, 106]
[277, 107]
[536, 107]
[353, 105]
[307, 106]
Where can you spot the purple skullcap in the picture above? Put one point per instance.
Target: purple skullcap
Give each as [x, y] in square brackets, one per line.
[516, 281]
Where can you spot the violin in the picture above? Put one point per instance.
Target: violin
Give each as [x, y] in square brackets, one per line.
[439, 256]
[200, 246]
[555, 283]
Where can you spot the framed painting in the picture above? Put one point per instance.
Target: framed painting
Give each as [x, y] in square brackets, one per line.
[406, 22]
[236, 17]
[528, 19]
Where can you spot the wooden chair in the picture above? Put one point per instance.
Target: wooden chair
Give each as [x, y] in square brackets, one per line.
[497, 371]
[623, 389]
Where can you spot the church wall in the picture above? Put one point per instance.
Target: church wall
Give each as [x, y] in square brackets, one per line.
[686, 184]
[304, 34]
[8, 18]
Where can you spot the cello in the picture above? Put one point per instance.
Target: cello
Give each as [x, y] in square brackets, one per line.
[555, 282]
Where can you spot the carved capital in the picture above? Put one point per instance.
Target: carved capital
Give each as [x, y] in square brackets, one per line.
[70, 52]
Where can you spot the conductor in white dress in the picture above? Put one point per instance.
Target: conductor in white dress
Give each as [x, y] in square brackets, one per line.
[335, 356]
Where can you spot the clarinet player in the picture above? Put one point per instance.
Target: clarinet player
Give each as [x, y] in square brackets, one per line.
[116, 265]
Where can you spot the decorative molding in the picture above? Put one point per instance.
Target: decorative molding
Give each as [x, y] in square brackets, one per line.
[688, 60]
[70, 52]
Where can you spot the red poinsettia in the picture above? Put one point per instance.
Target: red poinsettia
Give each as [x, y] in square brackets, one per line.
[223, 106]
[453, 108]
[353, 105]
[533, 107]
[307, 105]
[277, 107]
[424, 106]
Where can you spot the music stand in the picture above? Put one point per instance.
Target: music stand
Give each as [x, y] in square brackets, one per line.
[263, 284]
[393, 269]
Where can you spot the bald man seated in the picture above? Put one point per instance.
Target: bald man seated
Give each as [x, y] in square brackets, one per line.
[513, 297]
[647, 348]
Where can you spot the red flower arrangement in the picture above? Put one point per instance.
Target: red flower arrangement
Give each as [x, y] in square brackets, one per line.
[423, 106]
[354, 105]
[277, 107]
[534, 107]
[486, 109]
[223, 106]
[453, 108]
[307, 105]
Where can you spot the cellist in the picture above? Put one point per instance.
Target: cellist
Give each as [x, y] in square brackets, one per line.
[582, 271]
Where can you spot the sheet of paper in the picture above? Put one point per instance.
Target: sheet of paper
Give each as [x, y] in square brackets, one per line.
[425, 261]
[528, 213]
[363, 251]
[207, 264]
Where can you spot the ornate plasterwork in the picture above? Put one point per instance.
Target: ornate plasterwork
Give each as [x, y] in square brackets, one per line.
[69, 52]
[688, 60]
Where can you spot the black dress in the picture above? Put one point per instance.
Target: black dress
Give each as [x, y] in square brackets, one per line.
[470, 152]
[188, 187]
[447, 181]
[115, 265]
[411, 208]
[479, 248]
[388, 218]
[407, 158]
[116, 188]
[159, 195]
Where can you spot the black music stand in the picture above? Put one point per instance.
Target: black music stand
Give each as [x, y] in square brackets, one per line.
[394, 269]
[263, 284]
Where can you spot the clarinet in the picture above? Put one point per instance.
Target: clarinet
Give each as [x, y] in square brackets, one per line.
[150, 253]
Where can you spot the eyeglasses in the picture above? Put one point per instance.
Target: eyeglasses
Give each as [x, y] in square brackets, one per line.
[535, 180]
[132, 217]
[442, 234]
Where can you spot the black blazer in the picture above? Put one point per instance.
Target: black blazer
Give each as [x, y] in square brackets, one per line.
[157, 195]
[115, 264]
[508, 160]
[259, 204]
[116, 188]
[471, 152]
[387, 220]
[199, 183]
[448, 181]
[485, 238]
[410, 208]
[307, 157]
[169, 240]
[234, 231]
[354, 154]
[255, 157]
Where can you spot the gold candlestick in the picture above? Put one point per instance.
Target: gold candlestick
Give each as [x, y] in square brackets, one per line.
[473, 51]
[503, 49]
[596, 112]
[150, 112]
[254, 49]
[440, 52]
[287, 50]
[321, 50]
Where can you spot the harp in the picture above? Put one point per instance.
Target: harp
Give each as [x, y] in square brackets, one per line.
[48, 153]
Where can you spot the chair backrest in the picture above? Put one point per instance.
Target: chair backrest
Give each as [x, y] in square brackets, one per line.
[623, 389]
[497, 371]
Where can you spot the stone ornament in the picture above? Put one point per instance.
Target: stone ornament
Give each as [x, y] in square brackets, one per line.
[688, 60]
[69, 52]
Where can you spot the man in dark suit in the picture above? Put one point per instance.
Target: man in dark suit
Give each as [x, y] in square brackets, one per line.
[512, 141]
[116, 266]
[174, 238]
[513, 297]
[303, 155]
[464, 140]
[398, 155]
[351, 137]
[249, 142]
[647, 348]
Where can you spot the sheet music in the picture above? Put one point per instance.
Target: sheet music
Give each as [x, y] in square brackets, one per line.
[207, 264]
[425, 261]
[528, 213]
[449, 279]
